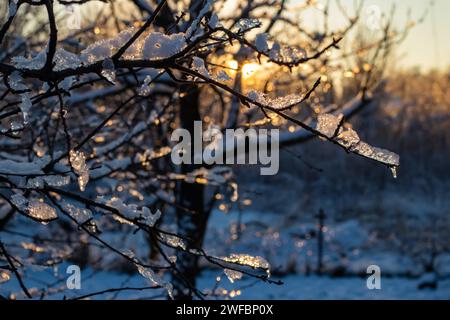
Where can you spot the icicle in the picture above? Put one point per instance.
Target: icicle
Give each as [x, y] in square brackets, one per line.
[25, 107]
[394, 171]
[78, 162]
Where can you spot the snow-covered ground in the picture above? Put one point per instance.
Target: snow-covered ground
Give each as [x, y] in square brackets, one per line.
[295, 287]
[291, 250]
[300, 287]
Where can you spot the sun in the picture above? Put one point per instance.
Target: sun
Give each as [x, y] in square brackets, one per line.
[248, 69]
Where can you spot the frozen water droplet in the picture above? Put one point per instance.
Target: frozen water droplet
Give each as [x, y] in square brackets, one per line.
[109, 71]
[394, 171]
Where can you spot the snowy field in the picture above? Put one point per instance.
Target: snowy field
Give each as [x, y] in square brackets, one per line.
[295, 287]
[401, 276]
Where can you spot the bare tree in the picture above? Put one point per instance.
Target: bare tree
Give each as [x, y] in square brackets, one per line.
[87, 115]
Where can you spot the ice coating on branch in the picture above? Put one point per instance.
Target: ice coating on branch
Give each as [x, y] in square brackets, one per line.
[277, 102]
[66, 60]
[104, 49]
[67, 83]
[81, 215]
[35, 63]
[62, 60]
[261, 42]
[78, 163]
[213, 21]
[96, 52]
[348, 138]
[25, 107]
[285, 54]
[328, 124]
[247, 260]
[158, 45]
[149, 274]
[217, 175]
[155, 279]
[173, 241]
[12, 9]
[193, 28]
[275, 53]
[25, 168]
[154, 46]
[16, 127]
[35, 209]
[145, 89]
[130, 212]
[41, 211]
[199, 65]
[222, 76]
[19, 201]
[149, 218]
[15, 81]
[331, 126]
[247, 24]
[51, 180]
[109, 70]
[150, 154]
[378, 154]
[233, 275]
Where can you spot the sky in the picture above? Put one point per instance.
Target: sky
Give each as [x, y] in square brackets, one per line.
[428, 44]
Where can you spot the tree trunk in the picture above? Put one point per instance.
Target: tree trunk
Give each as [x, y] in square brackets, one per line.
[191, 223]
